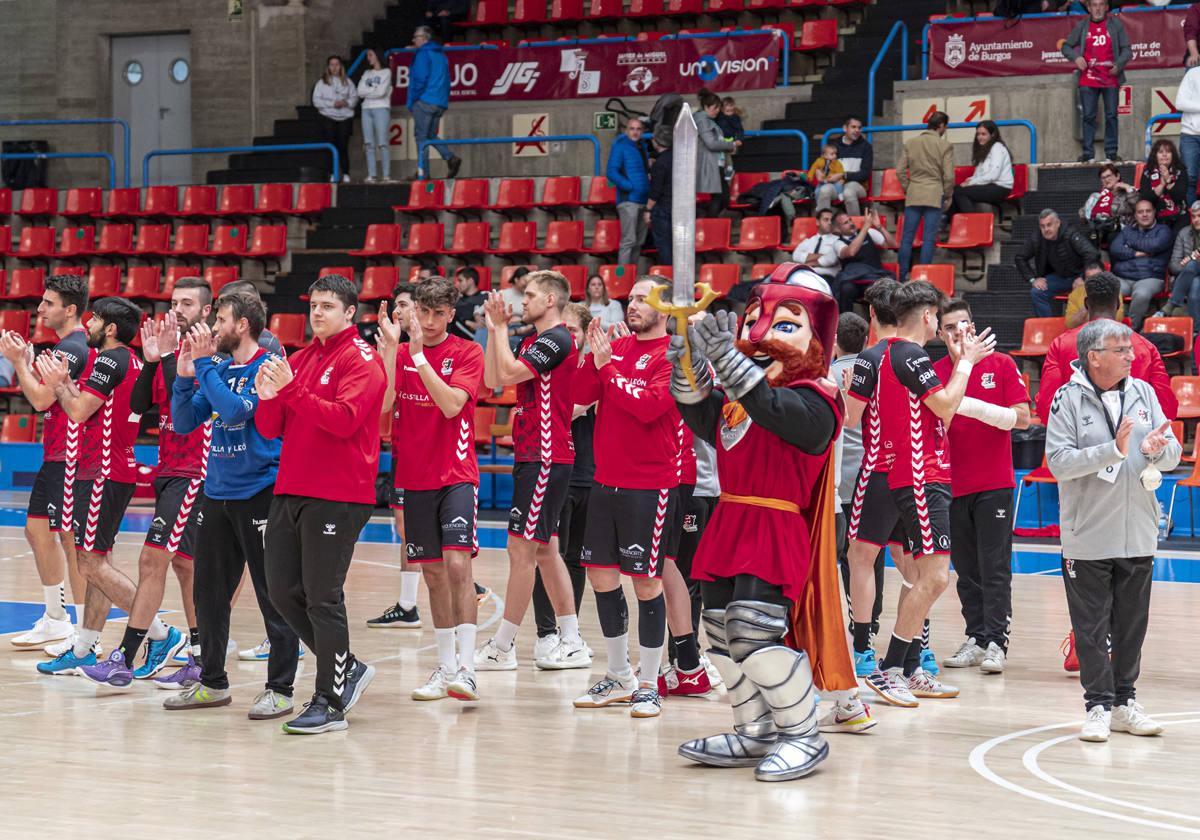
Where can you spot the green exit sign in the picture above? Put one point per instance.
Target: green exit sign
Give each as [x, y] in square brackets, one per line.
[604, 121]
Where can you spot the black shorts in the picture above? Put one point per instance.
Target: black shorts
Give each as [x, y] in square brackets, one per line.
[629, 529]
[52, 497]
[99, 506]
[925, 515]
[874, 517]
[396, 494]
[440, 520]
[682, 505]
[176, 515]
[539, 492]
[696, 513]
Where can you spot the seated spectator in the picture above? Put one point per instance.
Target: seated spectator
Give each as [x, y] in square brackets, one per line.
[1051, 260]
[8, 373]
[1140, 255]
[427, 271]
[1164, 184]
[608, 311]
[468, 312]
[1110, 208]
[443, 14]
[827, 177]
[992, 180]
[1076, 312]
[857, 159]
[860, 253]
[820, 251]
[1184, 269]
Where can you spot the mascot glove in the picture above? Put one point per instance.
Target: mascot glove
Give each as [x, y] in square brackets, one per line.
[681, 389]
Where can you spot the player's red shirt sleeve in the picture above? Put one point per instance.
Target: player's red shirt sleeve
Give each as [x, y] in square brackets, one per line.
[1012, 387]
[271, 416]
[585, 384]
[1053, 378]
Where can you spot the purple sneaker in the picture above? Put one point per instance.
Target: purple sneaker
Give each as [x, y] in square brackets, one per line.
[112, 671]
[182, 678]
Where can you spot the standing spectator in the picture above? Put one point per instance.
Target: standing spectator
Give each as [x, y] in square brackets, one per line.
[1109, 208]
[1185, 269]
[375, 91]
[858, 159]
[1140, 255]
[468, 311]
[1052, 259]
[658, 203]
[827, 177]
[1108, 561]
[1100, 48]
[820, 252]
[1187, 103]
[926, 171]
[710, 156]
[599, 306]
[628, 170]
[444, 14]
[334, 97]
[992, 180]
[429, 97]
[862, 262]
[1164, 183]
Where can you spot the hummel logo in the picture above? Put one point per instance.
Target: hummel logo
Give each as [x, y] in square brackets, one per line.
[330, 529]
[1000, 512]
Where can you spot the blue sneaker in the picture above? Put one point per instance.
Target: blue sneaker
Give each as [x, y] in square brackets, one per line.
[864, 662]
[929, 662]
[112, 671]
[66, 664]
[159, 653]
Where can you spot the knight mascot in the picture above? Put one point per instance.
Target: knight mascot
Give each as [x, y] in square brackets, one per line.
[768, 563]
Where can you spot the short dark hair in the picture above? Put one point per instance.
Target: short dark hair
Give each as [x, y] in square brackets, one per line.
[914, 295]
[936, 120]
[551, 282]
[879, 297]
[518, 272]
[1110, 167]
[72, 290]
[242, 304]
[1090, 264]
[954, 304]
[852, 332]
[404, 288]
[124, 314]
[435, 292]
[708, 99]
[846, 119]
[206, 294]
[825, 210]
[246, 286]
[1102, 291]
[340, 287]
[470, 273]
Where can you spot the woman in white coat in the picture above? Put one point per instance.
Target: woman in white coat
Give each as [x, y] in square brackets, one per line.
[992, 180]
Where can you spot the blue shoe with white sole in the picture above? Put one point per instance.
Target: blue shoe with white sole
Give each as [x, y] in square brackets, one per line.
[864, 662]
[929, 663]
[159, 653]
[66, 664]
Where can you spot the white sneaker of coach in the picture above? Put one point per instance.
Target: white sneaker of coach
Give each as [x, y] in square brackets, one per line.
[1096, 725]
[1132, 718]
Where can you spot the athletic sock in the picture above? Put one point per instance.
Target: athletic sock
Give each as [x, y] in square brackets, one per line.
[466, 646]
[84, 639]
[506, 635]
[56, 601]
[614, 624]
[444, 636]
[409, 582]
[897, 650]
[652, 632]
[925, 634]
[618, 656]
[79, 615]
[912, 659]
[157, 630]
[568, 627]
[862, 637]
[130, 642]
[194, 636]
[687, 652]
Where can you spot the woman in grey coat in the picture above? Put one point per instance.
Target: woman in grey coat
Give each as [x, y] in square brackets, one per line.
[710, 156]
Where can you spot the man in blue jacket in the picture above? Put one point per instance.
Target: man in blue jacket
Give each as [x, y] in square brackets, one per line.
[238, 490]
[629, 171]
[1139, 257]
[429, 96]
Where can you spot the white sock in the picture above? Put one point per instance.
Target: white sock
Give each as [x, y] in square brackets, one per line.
[445, 648]
[409, 581]
[466, 646]
[157, 631]
[506, 635]
[56, 601]
[649, 660]
[618, 656]
[568, 627]
[84, 639]
[79, 615]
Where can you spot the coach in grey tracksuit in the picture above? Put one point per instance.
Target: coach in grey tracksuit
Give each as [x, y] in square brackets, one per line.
[1106, 441]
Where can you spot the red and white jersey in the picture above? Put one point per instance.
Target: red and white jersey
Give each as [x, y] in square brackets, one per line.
[864, 387]
[687, 454]
[542, 417]
[178, 455]
[914, 435]
[60, 432]
[111, 431]
[430, 450]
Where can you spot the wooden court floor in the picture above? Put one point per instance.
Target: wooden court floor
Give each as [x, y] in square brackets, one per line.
[1000, 761]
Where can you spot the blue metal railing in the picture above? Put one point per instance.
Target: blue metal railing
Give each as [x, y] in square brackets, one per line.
[228, 150]
[423, 146]
[901, 27]
[126, 144]
[787, 132]
[362, 56]
[112, 164]
[1157, 118]
[1033, 158]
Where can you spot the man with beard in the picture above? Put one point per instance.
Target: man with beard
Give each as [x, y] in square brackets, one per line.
[768, 560]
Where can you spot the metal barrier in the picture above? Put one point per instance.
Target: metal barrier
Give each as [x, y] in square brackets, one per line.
[227, 150]
[786, 64]
[423, 146]
[1157, 118]
[898, 26]
[86, 121]
[889, 128]
[112, 164]
[787, 132]
[362, 56]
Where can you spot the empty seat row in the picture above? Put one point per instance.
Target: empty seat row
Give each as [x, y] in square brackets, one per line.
[491, 14]
[164, 202]
[512, 194]
[144, 282]
[152, 241]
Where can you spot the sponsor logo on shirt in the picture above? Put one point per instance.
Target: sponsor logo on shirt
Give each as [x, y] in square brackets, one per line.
[325, 376]
[106, 361]
[926, 376]
[988, 380]
[643, 362]
[633, 552]
[100, 377]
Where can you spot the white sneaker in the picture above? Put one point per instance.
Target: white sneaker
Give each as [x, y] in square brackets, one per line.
[968, 655]
[645, 703]
[853, 716]
[609, 690]
[230, 647]
[545, 645]
[1133, 719]
[44, 631]
[491, 658]
[1096, 726]
[572, 653]
[924, 684]
[463, 686]
[435, 688]
[993, 660]
[258, 653]
[59, 648]
[714, 676]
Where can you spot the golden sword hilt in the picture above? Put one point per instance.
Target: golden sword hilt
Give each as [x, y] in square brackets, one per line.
[681, 315]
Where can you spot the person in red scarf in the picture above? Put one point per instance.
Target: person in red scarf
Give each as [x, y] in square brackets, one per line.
[768, 562]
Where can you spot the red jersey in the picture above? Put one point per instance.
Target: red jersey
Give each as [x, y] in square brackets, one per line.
[981, 455]
[111, 431]
[430, 450]
[864, 387]
[914, 435]
[542, 417]
[328, 416]
[1147, 366]
[56, 425]
[637, 425]
[1100, 56]
[178, 455]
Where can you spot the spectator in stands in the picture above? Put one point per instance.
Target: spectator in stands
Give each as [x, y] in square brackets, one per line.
[1187, 103]
[608, 311]
[992, 180]
[334, 97]
[1164, 184]
[429, 96]
[658, 202]
[827, 177]
[1110, 208]
[820, 252]
[7, 372]
[1191, 34]
[862, 260]
[1185, 270]
[514, 299]
[730, 119]
[926, 171]
[1100, 48]
[1052, 259]
[427, 271]
[468, 312]
[628, 170]
[1076, 313]
[1140, 255]
[444, 14]
[375, 91]
[857, 159]
[710, 156]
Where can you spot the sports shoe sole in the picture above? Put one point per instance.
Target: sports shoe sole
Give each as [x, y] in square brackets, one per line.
[360, 687]
[935, 695]
[544, 665]
[31, 645]
[461, 692]
[332, 726]
[422, 699]
[716, 761]
[212, 704]
[950, 663]
[121, 684]
[183, 642]
[1115, 727]
[643, 715]
[253, 658]
[855, 726]
[890, 700]
[289, 710]
[1092, 739]
[174, 686]
[611, 701]
[991, 669]
[395, 625]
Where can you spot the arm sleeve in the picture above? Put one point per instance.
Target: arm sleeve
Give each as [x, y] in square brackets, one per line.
[107, 372]
[1084, 247]
[947, 169]
[800, 416]
[469, 373]
[142, 397]
[660, 179]
[1024, 259]
[1119, 249]
[1178, 251]
[1063, 455]
[1012, 387]
[189, 407]
[322, 96]
[615, 171]
[544, 354]
[418, 74]
[1161, 383]
[1070, 47]
[1168, 459]
[230, 407]
[1124, 48]
[645, 403]
[1053, 377]
[902, 168]
[1191, 32]
[863, 379]
[704, 417]
[360, 384]
[1188, 97]
[912, 367]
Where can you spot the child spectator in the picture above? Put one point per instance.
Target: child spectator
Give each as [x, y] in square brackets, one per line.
[827, 171]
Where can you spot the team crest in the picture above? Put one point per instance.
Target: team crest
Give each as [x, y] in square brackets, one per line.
[1143, 416]
[642, 363]
[325, 376]
[988, 380]
[447, 366]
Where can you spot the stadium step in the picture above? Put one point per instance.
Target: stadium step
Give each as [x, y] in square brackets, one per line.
[303, 174]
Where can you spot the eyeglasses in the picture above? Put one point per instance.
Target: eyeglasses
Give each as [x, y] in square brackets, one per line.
[1127, 350]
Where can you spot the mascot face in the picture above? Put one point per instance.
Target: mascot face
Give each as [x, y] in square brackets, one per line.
[784, 327]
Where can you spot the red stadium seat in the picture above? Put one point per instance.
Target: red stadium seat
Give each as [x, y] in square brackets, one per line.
[577, 278]
[289, 329]
[274, 200]
[104, 281]
[1038, 334]
[1180, 326]
[817, 36]
[713, 235]
[604, 10]
[43, 335]
[646, 8]
[189, 240]
[471, 238]
[562, 238]
[76, 242]
[19, 428]
[26, 284]
[488, 14]
[970, 231]
[153, 241]
[566, 11]
[618, 279]
[424, 238]
[143, 282]
[6, 204]
[381, 241]
[663, 271]
[346, 271]
[236, 200]
[228, 241]
[517, 238]
[758, 5]
[378, 282]
[469, 194]
[802, 228]
[219, 276]
[36, 243]
[606, 238]
[721, 276]
[160, 201]
[601, 195]
[758, 271]
[890, 191]
[1187, 392]
[689, 8]
[81, 202]
[424, 197]
[268, 244]
[123, 203]
[514, 194]
[528, 12]
[115, 239]
[758, 233]
[1020, 182]
[15, 320]
[561, 192]
[743, 181]
[173, 274]
[940, 276]
[202, 201]
[483, 272]
[38, 201]
[313, 199]
[726, 7]
[5, 240]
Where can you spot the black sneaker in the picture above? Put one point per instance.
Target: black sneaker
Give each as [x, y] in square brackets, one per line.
[318, 716]
[1085, 158]
[397, 617]
[1116, 159]
[357, 680]
[453, 165]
